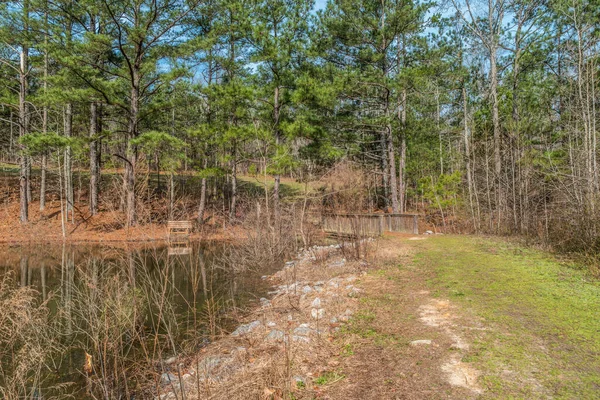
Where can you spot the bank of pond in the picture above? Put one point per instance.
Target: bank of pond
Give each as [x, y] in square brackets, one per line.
[94, 321]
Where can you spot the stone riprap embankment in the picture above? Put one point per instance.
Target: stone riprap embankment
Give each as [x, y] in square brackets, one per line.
[283, 342]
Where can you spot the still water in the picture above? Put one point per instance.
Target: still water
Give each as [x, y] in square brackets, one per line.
[116, 313]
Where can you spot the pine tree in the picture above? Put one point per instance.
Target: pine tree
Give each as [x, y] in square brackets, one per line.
[364, 40]
[138, 36]
[279, 43]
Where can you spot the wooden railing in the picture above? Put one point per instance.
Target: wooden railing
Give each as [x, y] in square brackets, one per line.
[365, 225]
[179, 237]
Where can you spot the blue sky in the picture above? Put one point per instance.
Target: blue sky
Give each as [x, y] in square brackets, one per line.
[320, 4]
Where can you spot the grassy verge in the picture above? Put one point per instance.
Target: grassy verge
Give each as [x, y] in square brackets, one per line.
[543, 336]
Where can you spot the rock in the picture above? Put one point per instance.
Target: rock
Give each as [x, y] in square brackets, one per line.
[246, 328]
[319, 283]
[167, 377]
[333, 320]
[297, 338]
[292, 287]
[271, 324]
[265, 302]
[318, 289]
[316, 303]
[354, 292]
[421, 342]
[275, 336]
[264, 277]
[350, 279]
[303, 330]
[317, 313]
[306, 289]
[428, 233]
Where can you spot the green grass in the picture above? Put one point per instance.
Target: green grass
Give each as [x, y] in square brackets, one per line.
[543, 316]
[329, 377]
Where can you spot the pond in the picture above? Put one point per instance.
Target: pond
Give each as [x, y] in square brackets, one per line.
[103, 322]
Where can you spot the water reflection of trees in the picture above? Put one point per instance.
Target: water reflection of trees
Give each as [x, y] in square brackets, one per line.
[128, 312]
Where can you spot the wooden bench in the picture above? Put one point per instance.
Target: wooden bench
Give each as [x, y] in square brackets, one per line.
[179, 229]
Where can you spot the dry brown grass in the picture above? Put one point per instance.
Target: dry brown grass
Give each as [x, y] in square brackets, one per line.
[27, 342]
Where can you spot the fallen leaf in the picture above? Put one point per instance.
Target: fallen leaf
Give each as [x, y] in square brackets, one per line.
[267, 393]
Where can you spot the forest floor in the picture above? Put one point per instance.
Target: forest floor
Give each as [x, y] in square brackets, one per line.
[106, 227]
[421, 317]
[109, 225]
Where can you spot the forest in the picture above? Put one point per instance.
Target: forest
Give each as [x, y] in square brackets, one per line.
[479, 115]
[248, 122]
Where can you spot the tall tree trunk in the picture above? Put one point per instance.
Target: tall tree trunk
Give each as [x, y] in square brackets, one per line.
[94, 159]
[496, 128]
[171, 194]
[593, 119]
[584, 107]
[44, 166]
[95, 131]
[29, 197]
[276, 115]
[68, 129]
[24, 120]
[44, 118]
[232, 206]
[202, 206]
[468, 152]
[385, 170]
[129, 178]
[402, 163]
[437, 127]
[11, 141]
[392, 168]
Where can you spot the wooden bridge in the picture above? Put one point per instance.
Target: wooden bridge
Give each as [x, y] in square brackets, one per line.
[365, 225]
[179, 237]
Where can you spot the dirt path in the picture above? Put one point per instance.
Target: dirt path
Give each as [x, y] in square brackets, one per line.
[403, 343]
[470, 317]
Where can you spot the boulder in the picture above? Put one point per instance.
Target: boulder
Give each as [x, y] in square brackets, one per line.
[275, 336]
[306, 289]
[420, 342]
[316, 303]
[167, 377]
[246, 328]
[303, 330]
